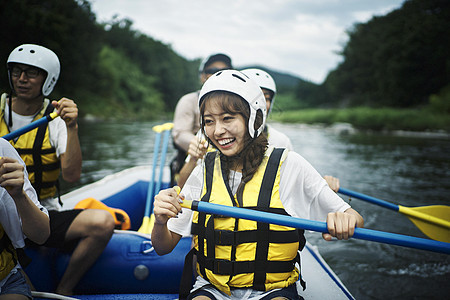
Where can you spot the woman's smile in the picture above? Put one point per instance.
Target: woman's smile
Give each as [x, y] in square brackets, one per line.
[226, 130]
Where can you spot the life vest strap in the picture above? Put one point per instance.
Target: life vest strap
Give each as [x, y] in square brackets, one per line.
[46, 167]
[30, 151]
[232, 268]
[230, 238]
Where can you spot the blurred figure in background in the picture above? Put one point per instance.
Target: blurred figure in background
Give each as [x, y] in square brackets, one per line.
[186, 120]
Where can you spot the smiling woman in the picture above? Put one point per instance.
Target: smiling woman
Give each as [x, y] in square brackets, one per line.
[254, 176]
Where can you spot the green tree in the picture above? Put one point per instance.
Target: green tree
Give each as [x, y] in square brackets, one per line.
[129, 92]
[174, 75]
[67, 27]
[395, 60]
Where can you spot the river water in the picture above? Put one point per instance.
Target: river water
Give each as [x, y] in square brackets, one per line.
[410, 171]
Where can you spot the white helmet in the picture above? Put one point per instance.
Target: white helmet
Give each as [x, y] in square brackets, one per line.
[40, 57]
[237, 83]
[262, 78]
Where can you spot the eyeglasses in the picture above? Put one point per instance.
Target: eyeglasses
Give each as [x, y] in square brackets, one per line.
[214, 70]
[30, 72]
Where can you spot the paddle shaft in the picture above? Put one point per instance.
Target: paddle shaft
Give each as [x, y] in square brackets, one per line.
[151, 190]
[151, 184]
[360, 233]
[163, 158]
[370, 199]
[31, 126]
[398, 208]
[166, 128]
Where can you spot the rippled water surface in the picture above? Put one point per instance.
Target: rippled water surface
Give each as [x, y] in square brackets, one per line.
[403, 170]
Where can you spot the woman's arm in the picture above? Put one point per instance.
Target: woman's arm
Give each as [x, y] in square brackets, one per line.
[166, 206]
[35, 223]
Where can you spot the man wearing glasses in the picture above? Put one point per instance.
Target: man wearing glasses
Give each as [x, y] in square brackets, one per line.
[186, 121]
[52, 148]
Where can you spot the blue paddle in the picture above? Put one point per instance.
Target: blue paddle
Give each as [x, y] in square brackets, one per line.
[360, 233]
[147, 222]
[31, 126]
[148, 202]
[166, 128]
[432, 220]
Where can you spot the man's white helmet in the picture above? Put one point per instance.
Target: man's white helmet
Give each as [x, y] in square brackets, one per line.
[39, 57]
[238, 83]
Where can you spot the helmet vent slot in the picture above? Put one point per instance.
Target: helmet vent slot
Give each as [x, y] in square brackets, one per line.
[239, 77]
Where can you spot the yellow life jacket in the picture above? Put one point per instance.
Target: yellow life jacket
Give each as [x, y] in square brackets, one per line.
[8, 255]
[238, 253]
[39, 155]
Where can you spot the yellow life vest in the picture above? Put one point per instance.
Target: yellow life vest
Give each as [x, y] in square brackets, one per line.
[8, 255]
[39, 155]
[238, 253]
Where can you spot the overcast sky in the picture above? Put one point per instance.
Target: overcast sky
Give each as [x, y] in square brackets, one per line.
[300, 37]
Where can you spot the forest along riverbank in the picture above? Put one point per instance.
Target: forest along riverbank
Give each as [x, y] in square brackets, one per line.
[406, 170]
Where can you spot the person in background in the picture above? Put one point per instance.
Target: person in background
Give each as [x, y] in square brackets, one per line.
[21, 216]
[276, 137]
[246, 172]
[198, 146]
[186, 120]
[269, 89]
[52, 148]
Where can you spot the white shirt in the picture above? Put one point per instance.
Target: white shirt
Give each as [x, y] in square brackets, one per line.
[9, 216]
[278, 139]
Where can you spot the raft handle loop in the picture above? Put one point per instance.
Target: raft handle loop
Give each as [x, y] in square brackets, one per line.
[146, 251]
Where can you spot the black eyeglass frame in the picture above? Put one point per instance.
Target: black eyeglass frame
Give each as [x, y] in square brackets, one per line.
[31, 72]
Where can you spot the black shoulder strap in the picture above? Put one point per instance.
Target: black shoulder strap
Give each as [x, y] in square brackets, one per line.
[262, 248]
[37, 153]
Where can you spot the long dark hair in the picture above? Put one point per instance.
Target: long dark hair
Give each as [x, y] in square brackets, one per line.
[253, 152]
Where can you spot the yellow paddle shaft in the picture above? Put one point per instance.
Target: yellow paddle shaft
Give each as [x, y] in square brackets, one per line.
[425, 217]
